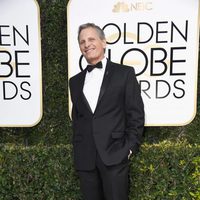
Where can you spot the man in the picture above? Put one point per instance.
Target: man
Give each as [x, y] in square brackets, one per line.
[108, 119]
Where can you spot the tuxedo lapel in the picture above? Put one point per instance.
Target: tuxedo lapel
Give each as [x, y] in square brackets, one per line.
[80, 85]
[106, 80]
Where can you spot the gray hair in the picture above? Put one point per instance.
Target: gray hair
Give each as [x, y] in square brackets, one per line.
[92, 25]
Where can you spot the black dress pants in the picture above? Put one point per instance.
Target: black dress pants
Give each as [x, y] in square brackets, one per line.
[105, 182]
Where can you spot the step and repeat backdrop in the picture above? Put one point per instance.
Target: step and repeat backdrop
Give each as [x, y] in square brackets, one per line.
[160, 39]
[20, 63]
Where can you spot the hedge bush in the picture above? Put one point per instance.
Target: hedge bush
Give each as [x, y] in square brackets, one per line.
[166, 171]
[160, 171]
[37, 173]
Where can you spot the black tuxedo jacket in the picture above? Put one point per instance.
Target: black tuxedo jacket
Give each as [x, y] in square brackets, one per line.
[117, 124]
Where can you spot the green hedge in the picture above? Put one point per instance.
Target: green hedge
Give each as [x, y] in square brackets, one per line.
[162, 171]
[37, 173]
[166, 171]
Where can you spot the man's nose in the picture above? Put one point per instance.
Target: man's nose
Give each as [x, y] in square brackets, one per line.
[87, 44]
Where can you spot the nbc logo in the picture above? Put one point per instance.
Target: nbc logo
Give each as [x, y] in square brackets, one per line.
[136, 6]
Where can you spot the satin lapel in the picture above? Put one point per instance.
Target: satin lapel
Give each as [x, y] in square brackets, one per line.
[80, 85]
[80, 81]
[106, 80]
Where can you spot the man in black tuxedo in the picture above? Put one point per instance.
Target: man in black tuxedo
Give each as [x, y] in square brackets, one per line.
[107, 119]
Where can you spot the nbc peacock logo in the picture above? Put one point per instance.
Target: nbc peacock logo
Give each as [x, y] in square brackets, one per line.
[121, 7]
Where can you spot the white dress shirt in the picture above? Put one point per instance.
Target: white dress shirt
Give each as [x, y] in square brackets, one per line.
[92, 85]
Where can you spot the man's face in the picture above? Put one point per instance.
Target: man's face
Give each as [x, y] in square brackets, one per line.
[91, 46]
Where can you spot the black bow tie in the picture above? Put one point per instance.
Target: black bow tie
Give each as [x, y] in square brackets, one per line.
[91, 67]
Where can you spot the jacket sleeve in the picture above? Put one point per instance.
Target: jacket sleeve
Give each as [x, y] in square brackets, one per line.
[134, 111]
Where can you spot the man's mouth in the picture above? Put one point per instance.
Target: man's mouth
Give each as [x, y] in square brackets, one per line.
[89, 50]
